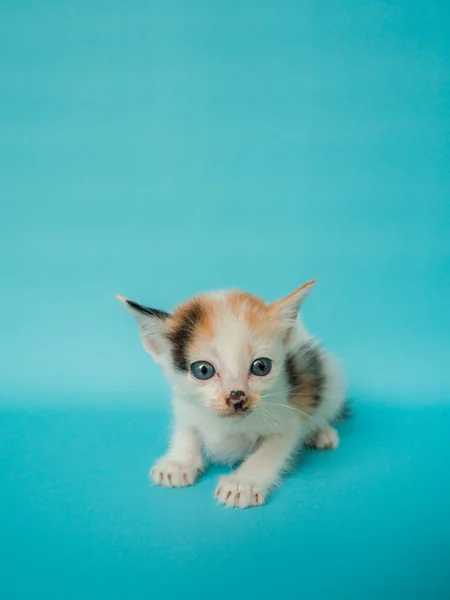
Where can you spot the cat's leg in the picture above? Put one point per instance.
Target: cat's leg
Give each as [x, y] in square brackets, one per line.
[250, 484]
[183, 463]
[325, 439]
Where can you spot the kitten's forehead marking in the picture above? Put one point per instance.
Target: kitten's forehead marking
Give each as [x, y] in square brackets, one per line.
[188, 319]
[232, 320]
[250, 308]
[239, 323]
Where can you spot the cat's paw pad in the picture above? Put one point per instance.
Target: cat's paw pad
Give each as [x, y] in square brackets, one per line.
[326, 439]
[235, 492]
[170, 473]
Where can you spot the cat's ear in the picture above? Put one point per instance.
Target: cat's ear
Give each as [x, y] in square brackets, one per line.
[287, 308]
[151, 323]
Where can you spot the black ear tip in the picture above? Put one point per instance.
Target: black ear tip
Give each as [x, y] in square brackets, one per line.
[143, 310]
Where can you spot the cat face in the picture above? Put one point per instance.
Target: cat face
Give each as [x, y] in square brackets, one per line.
[226, 350]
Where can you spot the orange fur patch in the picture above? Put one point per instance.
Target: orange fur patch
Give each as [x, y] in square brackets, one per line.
[254, 310]
[205, 325]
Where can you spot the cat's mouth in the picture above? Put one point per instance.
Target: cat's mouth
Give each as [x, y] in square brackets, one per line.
[236, 414]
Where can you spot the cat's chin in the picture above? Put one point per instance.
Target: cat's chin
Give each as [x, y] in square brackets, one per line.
[235, 416]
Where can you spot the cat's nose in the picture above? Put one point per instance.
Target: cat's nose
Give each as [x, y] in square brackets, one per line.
[237, 399]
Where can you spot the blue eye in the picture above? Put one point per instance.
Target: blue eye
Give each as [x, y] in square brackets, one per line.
[202, 370]
[261, 367]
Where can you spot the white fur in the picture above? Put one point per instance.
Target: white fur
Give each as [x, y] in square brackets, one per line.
[265, 444]
[326, 439]
[264, 441]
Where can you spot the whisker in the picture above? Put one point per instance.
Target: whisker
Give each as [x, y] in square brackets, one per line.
[293, 390]
[264, 420]
[272, 418]
[302, 412]
[274, 414]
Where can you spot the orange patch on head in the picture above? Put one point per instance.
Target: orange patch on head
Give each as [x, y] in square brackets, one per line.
[203, 309]
[189, 319]
[252, 308]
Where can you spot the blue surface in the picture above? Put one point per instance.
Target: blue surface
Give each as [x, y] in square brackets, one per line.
[156, 149]
[79, 519]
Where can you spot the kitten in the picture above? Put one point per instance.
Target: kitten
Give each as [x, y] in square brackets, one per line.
[250, 385]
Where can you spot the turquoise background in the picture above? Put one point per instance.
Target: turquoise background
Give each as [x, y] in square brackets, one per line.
[157, 149]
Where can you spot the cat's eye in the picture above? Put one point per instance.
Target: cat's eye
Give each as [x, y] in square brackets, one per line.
[202, 370]
[261, 367]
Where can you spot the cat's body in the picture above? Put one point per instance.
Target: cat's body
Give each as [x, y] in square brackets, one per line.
[226, 441]
[249, 384]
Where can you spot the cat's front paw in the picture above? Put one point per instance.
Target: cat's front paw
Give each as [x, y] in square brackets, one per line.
[170, 473]
[326, 439]
[236, 492]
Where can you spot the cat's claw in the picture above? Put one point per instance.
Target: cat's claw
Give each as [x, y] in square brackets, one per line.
[169, 473]
[235, 492]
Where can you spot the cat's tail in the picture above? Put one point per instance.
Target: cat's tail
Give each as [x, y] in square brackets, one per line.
[346, 411]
